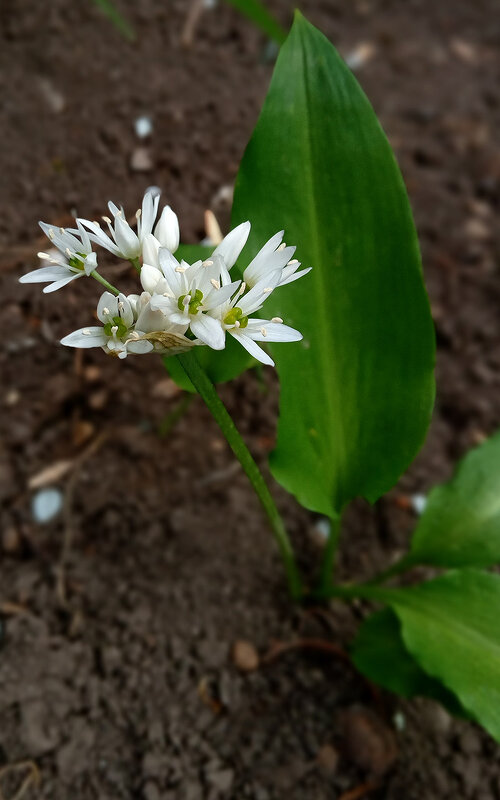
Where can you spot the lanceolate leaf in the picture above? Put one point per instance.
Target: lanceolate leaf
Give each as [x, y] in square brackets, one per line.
[220, 365]
[461, 524]
[379, 653]
[451, 627]
[356, 395]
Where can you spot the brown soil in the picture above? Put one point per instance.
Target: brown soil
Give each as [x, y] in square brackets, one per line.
[128, 689]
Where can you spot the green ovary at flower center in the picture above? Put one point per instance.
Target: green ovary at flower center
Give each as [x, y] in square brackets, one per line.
[118, 323]
[76, 262]
[235, 317]
[194, 304]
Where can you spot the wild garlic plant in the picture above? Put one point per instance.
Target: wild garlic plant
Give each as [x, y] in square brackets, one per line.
[356, 387]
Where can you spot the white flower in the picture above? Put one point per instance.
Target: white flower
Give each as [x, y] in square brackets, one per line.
[117, 335]
[167, 230]
[274, 255]
[233, 316]
[185, 291]
[75, 260]
[123, 241]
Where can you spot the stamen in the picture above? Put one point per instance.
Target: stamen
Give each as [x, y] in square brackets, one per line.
[277, 319]
[68, 252]
[138, 213]
[61, 230]
[267, 290]
[86, 332]
[107, 220]
[215, 283]
[281, 247]
[44, 256]
[263, 332]
[180, 269]
[207, 263]
[169, 294]
[105, 310]
[241, 290]
[51, 233]
[293, 261]
[120, 306]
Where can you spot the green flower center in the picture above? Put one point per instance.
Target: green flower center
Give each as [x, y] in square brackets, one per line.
[194, 303]
[116, 322]
[236, 315]
[76, 262]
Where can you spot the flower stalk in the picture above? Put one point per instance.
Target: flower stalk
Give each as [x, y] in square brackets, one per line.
[206, 389]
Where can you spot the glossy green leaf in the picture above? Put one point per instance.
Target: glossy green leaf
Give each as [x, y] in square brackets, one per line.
[257, 13]
[357, 393]
[451, 627]
[116, 18]
[220, 365]
[379, 653]
[461, 523]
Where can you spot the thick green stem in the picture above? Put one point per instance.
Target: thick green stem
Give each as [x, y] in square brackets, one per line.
[206, 389]
[328, 563]
[105, 283]
[136, 264]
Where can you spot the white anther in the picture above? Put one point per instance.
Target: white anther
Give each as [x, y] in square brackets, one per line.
[241, 289]
[277, 319]
[215, 283]
[86, 332]
[118, 213]
[61, 230]
[267, 290]
[293, 261]
[44, 256]
[180, 269]
[207, 263]
[281, 247]
[68, 252]
[107, 220]
[133, 335]
[168, 294]
[51, 233]
[263, 332]
[120, 305]
[105, 310]
[138, 213]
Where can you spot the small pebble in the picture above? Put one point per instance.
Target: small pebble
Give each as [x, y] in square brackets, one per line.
[419, 503]
[143, 126]
[46, 504]
[245, 656]
[328, 759]
[141, 160]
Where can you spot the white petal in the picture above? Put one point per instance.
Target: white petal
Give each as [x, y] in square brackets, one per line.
[290, 276]
[125, 310]
[140, 346]
[150, 320]
[274, 331]
[253, 348]
[86, 337]
[150, 246]
[127, 241]
[53, 287]
[263, 265]
[149, 210]
[90, 264]
[254, 299]
[45, 274]
[209, 330]
[167, 229]
[98, 236]
[109, 302]
[232, 244]
[150, 277]
[219, 296]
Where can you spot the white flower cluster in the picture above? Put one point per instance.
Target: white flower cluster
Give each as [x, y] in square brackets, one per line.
[182, 305]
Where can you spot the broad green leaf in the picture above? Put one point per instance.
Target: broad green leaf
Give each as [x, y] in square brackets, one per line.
[379, 653]
[461, 523]
[357, 393]
[220, 365]
[116, 17]
[451, 627]
[260, 16]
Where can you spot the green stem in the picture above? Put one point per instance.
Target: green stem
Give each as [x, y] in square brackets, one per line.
[136, 263]
[328, 563]
[105, 283]
[206, 389]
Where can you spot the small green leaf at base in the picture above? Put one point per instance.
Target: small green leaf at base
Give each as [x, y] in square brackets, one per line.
[460, 526]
